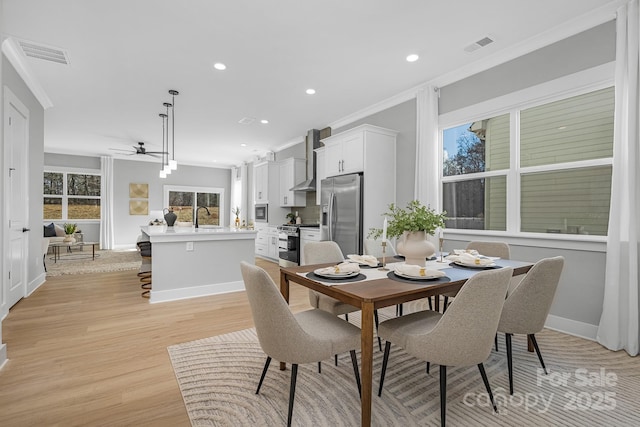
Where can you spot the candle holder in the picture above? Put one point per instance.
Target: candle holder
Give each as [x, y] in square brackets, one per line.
[441, 242]
[384, 250]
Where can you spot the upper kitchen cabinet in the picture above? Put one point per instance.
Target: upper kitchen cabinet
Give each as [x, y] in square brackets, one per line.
[343, 155]
[292, 171]
[261, 182]
[352, 150]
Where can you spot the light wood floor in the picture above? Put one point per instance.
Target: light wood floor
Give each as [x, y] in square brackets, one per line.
[88, 350]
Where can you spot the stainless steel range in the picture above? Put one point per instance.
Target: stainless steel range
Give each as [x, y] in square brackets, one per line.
[289, 244]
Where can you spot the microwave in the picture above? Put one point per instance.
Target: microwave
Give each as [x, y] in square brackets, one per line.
[261, 213]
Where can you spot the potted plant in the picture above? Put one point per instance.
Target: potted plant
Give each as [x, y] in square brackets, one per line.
[236, 212]
[69, 230]
[412, 224]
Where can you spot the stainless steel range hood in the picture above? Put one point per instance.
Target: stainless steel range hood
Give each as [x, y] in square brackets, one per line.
[313, 141]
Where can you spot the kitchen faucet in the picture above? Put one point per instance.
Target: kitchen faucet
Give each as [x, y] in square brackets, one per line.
[197, 209]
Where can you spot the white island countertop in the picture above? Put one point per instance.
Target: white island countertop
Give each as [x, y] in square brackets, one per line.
[161, 233]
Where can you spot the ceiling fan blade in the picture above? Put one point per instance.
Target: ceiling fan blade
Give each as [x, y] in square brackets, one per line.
[156, 152]
[119, 149]
[153, 154]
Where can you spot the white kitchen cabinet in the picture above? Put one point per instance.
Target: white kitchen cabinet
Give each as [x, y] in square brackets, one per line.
[272, 242]
[292, 172]
[267, 241]
[344, 154]
[261, 182]
[370, 150]
[307, 235]
[261, 241]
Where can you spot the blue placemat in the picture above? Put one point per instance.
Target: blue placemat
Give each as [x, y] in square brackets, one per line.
[391, 275]
[313, 276]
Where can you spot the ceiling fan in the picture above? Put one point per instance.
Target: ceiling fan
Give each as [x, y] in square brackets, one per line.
[140, 149]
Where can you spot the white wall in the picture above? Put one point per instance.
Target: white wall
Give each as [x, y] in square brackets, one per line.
[127, 227]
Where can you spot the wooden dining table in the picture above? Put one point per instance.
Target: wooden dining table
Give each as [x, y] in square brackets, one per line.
[370, 295]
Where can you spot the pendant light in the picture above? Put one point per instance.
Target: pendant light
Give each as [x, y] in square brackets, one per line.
[163, 173]
[166, 167]
[173, 165]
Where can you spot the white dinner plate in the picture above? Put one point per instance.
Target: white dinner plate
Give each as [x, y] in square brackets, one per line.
[426, 277]
[464, 264]
[319, 272]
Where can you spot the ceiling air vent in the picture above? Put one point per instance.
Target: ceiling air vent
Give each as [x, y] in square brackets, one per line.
[247, 120]
[46, 53]
[478, 44]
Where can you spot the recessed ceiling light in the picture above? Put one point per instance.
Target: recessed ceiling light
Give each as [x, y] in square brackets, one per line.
[311, 91]
[412, 58]
[264, 121]
[219, 66]
[243, 145]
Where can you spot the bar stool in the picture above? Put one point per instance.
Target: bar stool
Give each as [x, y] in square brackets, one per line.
[145, 269]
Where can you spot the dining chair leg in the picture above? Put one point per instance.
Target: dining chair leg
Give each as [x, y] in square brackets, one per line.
[356, 372]
[446, 302]
[487, 386]
[495, 340]
[292, 391]
[507, 338]
[532, 337]
[431, 303]
[377, 322]
[443, 395]
[335, 357]
[398, 310]
[383, 371]
[264, 372]
[346, 317]
[428, 366]
[319, 367]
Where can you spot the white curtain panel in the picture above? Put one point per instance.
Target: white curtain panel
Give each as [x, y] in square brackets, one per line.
[106, 203]
[427, 189]
[619, 326]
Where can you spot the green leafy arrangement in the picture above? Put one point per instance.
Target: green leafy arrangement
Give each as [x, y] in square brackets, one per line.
[236, 211]
[415, 217]
[70, 228]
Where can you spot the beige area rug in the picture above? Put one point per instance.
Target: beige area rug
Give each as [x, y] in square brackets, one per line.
[587, 386]
[80, 262]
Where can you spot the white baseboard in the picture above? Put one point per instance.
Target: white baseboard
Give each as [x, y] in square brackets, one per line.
[196, 291]
[572, 327]
[36, 283]
[125, 246]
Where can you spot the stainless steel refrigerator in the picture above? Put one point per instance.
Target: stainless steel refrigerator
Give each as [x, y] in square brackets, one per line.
[341, 212]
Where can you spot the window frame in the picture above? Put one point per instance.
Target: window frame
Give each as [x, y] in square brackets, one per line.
[65, 195]
[196, 189]
[580, 83]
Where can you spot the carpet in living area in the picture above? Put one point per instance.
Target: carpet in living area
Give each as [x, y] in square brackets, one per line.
[81, 262]
[587, 385]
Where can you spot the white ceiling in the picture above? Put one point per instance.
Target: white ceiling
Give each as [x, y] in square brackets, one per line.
[126, 54]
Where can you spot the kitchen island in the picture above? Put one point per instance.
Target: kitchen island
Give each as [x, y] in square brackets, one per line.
[190, 262]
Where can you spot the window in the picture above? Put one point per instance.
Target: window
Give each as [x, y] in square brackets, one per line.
[71, 195]
[562, 172]
[475, 165]
[185, 200]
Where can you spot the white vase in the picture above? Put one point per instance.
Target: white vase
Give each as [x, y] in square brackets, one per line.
[69, 239]
[416, 248]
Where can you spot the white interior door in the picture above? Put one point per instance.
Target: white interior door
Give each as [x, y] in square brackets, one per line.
[16, 125]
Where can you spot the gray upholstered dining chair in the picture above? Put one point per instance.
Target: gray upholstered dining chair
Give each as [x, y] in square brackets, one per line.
[527, 306]
[319, 253]
[305, 337]
[494, 249]
[374, 247]
[323, 252]
[462, 336]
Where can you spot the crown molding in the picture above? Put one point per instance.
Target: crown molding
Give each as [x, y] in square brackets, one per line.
[12, 51]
